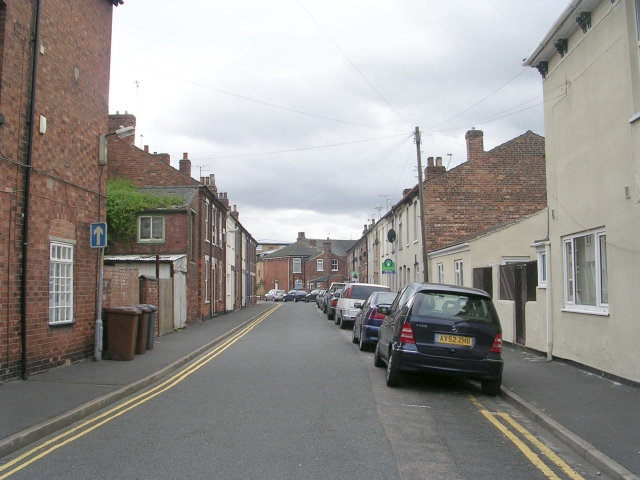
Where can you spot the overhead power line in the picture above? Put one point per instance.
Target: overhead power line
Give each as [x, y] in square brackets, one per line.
[353, 65]
[299, 149]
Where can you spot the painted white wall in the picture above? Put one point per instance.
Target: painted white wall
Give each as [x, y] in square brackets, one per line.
[592, 154]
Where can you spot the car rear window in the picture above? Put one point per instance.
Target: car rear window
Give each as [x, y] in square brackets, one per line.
[362, 291]
[471, 308]
[386, 298]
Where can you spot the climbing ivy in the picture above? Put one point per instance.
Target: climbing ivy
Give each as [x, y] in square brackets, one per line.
[123, 204]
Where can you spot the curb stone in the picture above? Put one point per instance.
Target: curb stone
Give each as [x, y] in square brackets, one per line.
[583, 448]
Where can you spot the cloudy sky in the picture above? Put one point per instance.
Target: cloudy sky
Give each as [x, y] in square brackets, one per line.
[304, 109]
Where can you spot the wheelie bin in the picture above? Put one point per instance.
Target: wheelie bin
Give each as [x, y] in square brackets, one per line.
[151, 325]
[143, 322]
[122, 326]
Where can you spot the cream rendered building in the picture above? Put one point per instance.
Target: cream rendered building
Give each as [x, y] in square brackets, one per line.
[591, 82]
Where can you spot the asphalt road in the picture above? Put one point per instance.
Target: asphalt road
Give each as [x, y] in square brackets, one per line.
[292, 398]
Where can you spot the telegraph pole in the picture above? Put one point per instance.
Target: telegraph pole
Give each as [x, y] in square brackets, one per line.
[423, 225]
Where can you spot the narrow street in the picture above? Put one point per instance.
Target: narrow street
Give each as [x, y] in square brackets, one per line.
[291, 397]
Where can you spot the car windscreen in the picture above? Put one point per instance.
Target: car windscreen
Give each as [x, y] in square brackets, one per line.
[457, 306]
[385, 298]
[362, 291]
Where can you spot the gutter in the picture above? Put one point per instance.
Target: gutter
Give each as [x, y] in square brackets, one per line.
[27, 194]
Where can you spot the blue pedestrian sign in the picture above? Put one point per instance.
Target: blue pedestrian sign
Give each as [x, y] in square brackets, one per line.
[99, 235]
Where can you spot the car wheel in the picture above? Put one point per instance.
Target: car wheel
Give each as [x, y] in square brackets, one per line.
[393, 374]
[343, 324]
[330, 316]
[491, 387]
[377, 361]
[354, 339]
[336, 320]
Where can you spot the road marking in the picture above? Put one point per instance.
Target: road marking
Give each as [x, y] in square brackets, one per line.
[523, 447]
[129, 404]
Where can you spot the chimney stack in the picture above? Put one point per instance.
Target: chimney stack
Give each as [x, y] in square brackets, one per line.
[326, 246]
[146, 149]
[300, 236]
[313, 243]
[433, 170]
[185, 164]
[475, 145]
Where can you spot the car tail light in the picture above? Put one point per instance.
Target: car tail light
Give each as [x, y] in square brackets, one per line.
[497, 344]
[376, 315]
[334, 302]
[406, 336]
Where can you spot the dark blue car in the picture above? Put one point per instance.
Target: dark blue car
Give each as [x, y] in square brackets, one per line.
[294, 295]
[441, 329]
[368, 319]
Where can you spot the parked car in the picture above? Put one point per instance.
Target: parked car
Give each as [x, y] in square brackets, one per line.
[332, 288]
[368, 319]
[294, 295]
[279, 295]
[331, 303]
[269, 295]
[312, 295]
[346, 310]
[320, 297]
[441, 329]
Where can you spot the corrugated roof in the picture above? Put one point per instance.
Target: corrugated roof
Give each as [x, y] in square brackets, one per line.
[143, 258]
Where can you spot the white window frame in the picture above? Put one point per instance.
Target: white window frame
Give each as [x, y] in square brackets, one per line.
[458, 267]
[400, 233]
[207, 290]
[416, 220]
[320, 265]
[151, 239]
[207, 233]
[297, 265]
[334, 265]
[570, 273]
[61, 283]
[440, 272]
[543, 269]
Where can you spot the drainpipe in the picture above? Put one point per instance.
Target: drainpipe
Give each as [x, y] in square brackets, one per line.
[27, 191]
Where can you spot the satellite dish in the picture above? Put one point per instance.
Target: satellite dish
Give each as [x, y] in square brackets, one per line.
[391, 235]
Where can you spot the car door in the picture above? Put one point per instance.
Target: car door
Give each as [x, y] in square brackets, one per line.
[388, 326]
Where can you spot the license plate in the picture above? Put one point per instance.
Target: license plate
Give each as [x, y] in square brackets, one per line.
[454, 340]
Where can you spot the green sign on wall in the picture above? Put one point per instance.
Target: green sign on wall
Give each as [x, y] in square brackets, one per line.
[388, 266]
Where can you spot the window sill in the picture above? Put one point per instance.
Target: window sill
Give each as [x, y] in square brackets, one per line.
[634, 117]
[586, 312]
[62, 324]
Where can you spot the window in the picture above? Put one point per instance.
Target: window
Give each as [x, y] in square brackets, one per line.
[542, 269]
[297, 265]
[206, 220]
[407, 225]
[457, 266]
[586, 282]
[207, 294]
[441, 273]
[150, 229]
[416, 222]
[60, 283]
[334, 264]
[320, 265]
[400, 233]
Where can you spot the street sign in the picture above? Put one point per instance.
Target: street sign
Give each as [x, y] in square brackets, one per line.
[99, 235]
[388, 267]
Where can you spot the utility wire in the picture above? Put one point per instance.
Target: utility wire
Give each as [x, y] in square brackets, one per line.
[478, 103]
[298, 149]
[352, 64]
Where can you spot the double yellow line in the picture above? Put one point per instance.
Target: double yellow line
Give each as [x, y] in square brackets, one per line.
[503, 421]
[88, 426]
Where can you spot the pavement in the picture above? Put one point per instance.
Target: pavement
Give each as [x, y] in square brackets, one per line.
[596, 416]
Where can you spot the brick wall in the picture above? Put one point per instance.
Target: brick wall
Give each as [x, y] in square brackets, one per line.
[121, 287]
[67, 185]
[492, 187]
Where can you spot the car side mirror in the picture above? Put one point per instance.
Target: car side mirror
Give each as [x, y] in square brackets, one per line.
[384, 310]
[357, 305]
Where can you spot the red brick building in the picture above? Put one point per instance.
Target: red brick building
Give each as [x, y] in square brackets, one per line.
[54, 107]
[306, 264]
[190, 233]
[490, 188]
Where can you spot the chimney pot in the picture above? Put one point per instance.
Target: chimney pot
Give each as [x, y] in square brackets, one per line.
[438, 161]
[430, 161]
